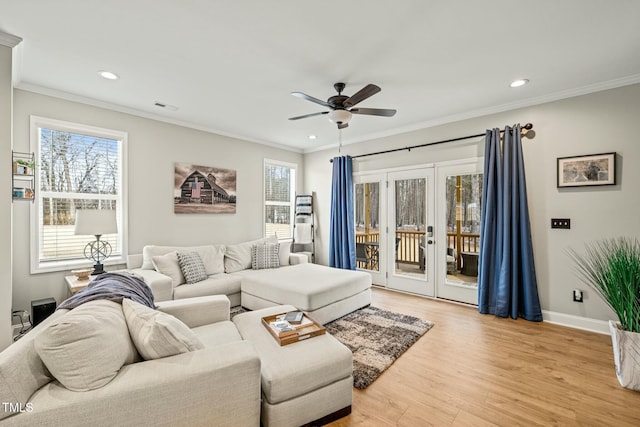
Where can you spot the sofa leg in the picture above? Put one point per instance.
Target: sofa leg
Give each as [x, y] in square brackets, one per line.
[330, 418]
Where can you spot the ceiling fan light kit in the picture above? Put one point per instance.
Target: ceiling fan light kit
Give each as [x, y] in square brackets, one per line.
[341, 105]
[340, 116]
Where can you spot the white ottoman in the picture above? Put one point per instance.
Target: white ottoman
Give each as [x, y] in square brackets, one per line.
[306, 381]
[324, 293]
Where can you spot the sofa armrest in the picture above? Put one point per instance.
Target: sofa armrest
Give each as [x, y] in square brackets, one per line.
[214, 386]
[159, 283]
[198, 311]
[295, 259]
[134, 261]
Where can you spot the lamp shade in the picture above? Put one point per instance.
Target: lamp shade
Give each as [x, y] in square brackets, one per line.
[340, 116]
[95, 222]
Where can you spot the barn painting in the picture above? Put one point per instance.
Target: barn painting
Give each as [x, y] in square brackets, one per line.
[204, 189]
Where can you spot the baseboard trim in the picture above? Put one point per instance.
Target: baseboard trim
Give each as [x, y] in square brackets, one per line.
[577, 322]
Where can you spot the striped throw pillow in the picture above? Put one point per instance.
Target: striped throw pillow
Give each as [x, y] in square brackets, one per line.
[192, 267]
[265, 255]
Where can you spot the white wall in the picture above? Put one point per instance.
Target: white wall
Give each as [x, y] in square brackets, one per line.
[589, 124]
[153, 148]
[5, 209]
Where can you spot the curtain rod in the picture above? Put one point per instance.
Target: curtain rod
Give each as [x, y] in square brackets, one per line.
[525, 129]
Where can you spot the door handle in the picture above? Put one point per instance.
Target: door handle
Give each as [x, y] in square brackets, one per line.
[430, 242]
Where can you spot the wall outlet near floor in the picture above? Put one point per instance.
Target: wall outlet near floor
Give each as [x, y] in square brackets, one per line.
[578, 296]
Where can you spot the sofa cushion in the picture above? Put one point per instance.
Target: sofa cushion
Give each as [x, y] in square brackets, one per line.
[218, 284]
[284, 252]
[192, 267]
[212, 255]
[217, 333]
[157, 334]
[21, 369]
[168, 265]
[305, 286]
[265, 255]
[85, 348]
[238, 257]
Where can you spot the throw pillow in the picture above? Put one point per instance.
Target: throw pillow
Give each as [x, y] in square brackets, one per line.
[285, 251]
[238, 257]
[168, 265]
[192, 267]
[85, 348]
[157, 334]
[265, 255]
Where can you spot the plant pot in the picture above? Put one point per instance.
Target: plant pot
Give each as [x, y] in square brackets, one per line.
[626, 354]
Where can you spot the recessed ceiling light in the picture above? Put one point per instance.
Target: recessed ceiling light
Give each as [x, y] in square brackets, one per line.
[108, 75]
[519, 82]
[312, 137]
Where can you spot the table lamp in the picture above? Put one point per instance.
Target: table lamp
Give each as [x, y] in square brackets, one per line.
[96, 222]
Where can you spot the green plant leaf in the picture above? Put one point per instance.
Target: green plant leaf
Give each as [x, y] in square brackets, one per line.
[611, 267]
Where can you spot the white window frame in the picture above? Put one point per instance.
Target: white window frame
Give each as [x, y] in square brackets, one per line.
[292, 196]
[36, 266]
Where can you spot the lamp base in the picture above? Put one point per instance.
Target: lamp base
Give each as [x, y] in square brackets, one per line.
[98, 268]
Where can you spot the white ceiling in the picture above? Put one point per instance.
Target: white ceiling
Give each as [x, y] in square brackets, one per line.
[230, 65]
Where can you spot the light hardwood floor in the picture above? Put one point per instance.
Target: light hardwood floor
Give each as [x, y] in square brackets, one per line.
[480, 370]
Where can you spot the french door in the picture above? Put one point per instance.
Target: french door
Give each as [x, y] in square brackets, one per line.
[459, 206]
[410, 239]
[371, 216]
[394, 229]
[418, 230]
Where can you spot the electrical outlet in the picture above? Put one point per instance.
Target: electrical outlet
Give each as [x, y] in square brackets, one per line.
[561, 223]
[577, 295]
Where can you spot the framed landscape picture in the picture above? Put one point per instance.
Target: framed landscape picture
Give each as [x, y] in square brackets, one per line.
[582, 171]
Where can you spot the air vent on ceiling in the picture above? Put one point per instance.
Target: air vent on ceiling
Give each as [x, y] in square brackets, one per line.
[166, 106]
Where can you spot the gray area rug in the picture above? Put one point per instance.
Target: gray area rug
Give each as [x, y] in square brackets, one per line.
[376, 338]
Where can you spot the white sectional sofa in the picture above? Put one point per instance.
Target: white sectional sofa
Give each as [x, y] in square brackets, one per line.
[158, 266]
[322, 292]
[216, 385]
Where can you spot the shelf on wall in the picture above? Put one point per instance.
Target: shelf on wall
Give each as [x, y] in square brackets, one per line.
[23, 180]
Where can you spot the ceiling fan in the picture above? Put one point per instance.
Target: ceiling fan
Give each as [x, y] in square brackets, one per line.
[342, 105]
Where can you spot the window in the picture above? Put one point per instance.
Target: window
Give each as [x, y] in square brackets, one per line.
[279, 196]
[78, 167]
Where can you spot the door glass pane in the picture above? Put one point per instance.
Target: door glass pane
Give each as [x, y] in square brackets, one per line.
[367, 200]
[464, 201]
[411, 213]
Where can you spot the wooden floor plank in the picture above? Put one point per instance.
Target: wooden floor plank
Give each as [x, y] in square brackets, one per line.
[478, 370]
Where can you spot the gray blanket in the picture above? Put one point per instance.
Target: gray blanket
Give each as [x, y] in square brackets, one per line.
[112, 287]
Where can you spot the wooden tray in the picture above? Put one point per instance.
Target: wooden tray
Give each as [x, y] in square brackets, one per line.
[307, 329]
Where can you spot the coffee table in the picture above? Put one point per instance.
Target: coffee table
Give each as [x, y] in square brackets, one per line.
[309, 381]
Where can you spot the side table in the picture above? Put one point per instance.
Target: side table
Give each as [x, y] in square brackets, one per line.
[74, 285]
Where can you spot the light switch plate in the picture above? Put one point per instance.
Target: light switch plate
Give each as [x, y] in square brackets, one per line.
[561, 223]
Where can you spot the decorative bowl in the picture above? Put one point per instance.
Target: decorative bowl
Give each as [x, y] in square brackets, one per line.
[83, 273]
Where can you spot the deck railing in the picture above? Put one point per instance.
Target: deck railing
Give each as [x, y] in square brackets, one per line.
[410, 241]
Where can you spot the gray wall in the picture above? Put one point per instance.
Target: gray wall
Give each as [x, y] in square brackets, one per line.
[589, 124]
[153, 147]
[5, 208]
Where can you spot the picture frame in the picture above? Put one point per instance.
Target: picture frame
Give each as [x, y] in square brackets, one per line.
[587, 170]
[204, 189]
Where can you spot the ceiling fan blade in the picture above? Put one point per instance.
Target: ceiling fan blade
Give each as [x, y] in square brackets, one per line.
[310, 98]
[361, 95]
[374, 111]
[343, 125]
[308, 115]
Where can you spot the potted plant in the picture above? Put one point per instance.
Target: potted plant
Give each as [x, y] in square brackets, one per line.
[23, 167]
[611, 267]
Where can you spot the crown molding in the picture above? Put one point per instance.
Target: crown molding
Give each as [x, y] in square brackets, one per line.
[9, 40]
[528, 102]
[134, 112]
